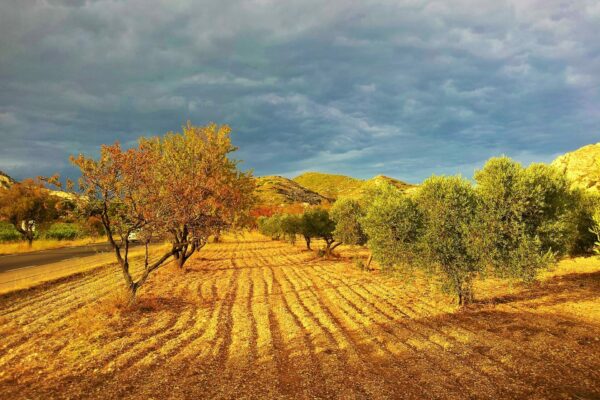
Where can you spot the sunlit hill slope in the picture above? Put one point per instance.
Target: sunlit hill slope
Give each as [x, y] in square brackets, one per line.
[582, 166]
[334, 186]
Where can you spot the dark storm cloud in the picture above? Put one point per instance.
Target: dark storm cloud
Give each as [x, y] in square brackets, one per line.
[400, 88]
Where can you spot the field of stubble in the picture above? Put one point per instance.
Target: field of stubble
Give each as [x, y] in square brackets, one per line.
[254, 318]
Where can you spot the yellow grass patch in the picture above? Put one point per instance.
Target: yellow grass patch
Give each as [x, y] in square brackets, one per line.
[44, 244]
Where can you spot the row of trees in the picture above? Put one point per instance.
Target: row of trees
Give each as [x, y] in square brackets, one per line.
[511, 223]
[313, 223]
[181, 187]
[339, 225]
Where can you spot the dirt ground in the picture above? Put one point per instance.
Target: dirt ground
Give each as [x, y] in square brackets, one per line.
[254, 318]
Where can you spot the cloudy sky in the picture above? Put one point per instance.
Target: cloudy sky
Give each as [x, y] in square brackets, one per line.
[402, 88]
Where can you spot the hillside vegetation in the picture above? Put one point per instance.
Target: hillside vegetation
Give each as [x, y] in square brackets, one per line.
[582, 167]
[335, 186]
[277, 191]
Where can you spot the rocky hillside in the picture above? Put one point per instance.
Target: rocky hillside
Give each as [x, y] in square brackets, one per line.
[5, 181]
[582, 166]
[334, 186]
[278, 191]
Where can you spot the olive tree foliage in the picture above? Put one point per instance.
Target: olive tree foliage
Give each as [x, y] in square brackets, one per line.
[319, 224]
[526, 214]
[433, 230]
[310, 226]
[313, 223]
[449, 245]
[270, 226]
[393, 224]
[347, 213]
[290, 226]
[595, 230]
[586, 213]
[28, 206]
[281, 226]
[181, 186]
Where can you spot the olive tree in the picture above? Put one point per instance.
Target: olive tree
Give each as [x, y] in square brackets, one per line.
[347, 214]
[526, 215]
[270, 226]
[290, 226]
[449, 241]
[316, 223]
[393, 224]
[309, 227]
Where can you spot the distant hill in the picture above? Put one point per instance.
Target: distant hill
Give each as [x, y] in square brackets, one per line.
[6, 181]
[582, 166]
[329, 185]
[334, 186]
[278, 191]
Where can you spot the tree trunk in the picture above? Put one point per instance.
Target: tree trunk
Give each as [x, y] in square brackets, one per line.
[133, 287]
[330, 247]
[307, 239]
[181, 256]
[369, 261]
[465, 292]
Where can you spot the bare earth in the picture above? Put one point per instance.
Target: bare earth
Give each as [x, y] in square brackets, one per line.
[253, 318]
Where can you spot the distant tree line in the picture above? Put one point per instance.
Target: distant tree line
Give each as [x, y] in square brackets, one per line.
[510, 221]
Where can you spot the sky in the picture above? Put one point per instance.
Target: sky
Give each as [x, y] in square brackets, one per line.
[400, 88]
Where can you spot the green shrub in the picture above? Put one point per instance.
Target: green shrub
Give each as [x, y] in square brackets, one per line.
[8, 233]
[64, 231]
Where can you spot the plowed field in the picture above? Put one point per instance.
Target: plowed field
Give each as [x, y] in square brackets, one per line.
[254, 318]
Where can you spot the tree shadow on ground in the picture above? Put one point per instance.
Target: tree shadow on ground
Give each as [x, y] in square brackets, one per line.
[574, 287]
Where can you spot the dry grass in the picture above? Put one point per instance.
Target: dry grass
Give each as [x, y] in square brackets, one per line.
[259, 319]
[25, 278]
[44, 244]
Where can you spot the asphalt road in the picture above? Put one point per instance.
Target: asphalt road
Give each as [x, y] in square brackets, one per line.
[37, 258]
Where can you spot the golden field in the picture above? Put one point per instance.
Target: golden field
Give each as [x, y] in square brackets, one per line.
[255, 318]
